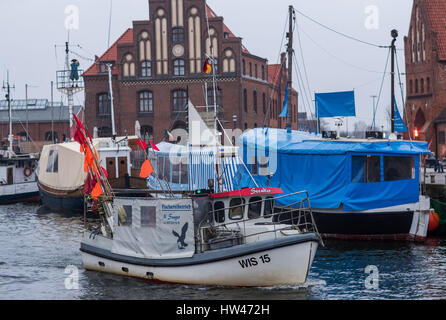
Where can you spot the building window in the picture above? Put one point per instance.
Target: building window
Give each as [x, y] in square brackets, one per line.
[128, 66]
[229, 61]
[147, 133]
[244, 67]
[178, 67]
[416, 85]
[104, 132]
[245, 100]
[146, 69]
[256, 73]
[263, 72]
[177, 35]
[428, 84]
[422, 85]
[254, 96]
[179, 100]
[411, 86]
[146, 101]
[264, 103]
[211, 97]
[103, 104]
[250, 69]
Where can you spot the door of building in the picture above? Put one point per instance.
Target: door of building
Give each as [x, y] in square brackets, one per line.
[111, 168]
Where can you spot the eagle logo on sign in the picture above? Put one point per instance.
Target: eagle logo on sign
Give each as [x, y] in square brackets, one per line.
[181, 244]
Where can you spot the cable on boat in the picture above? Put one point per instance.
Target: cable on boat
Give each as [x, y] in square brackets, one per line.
[382, 84]
[340, 33]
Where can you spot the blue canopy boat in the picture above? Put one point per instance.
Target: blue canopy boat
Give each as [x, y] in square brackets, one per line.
[359, 189]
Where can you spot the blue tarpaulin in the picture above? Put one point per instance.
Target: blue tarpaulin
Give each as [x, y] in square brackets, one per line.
[335, 104]
[325, 169]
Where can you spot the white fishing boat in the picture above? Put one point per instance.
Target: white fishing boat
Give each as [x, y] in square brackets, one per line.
[18, 181]
[223, 239]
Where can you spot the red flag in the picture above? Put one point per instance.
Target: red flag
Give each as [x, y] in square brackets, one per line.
[154, 147]
[146, 169]
[142, 144]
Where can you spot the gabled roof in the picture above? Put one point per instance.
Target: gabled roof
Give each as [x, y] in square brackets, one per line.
[436, 13]
[111, 54]
[273, 73]
[212, 14]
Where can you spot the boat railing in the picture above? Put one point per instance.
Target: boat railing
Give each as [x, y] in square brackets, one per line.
[296, 216]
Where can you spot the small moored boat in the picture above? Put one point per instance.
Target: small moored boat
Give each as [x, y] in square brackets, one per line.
[225, 239]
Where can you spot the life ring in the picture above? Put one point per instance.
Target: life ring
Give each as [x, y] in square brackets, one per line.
[27, 172]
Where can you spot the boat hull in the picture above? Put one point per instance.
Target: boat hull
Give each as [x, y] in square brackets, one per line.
[19, 193]
[390, 225]
[271, 266]
[66, 201]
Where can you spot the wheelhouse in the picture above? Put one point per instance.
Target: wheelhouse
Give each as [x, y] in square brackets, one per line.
[242, 205]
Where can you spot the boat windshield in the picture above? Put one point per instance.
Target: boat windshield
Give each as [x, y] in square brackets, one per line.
[255, 208]
[237, 209]
[269, 207]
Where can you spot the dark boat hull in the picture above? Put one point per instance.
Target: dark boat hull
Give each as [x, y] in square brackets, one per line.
[31, 197]
[366, 225]
[72, 202]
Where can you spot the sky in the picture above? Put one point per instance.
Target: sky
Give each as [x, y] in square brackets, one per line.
[34, 33]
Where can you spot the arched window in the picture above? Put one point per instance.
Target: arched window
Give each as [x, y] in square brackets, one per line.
[104, 104]
[145, 101]
[212, 47]
[128, 66]
[194, 27]
[245, 100]
[178, 67]
[254, 96]
[229, 61]
[177, 13]
[179, 100]
[161, 42]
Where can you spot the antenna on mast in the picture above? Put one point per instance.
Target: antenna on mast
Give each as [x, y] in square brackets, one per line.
[7, 88]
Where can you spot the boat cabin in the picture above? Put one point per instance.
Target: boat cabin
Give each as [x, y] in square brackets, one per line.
[242, 205]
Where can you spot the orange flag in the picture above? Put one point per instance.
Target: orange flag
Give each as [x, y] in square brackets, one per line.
[97, 191]
[146, 169]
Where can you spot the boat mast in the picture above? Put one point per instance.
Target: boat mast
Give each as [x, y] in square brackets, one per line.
[7, 87]
[112, 109]
[69, 89]
[394, 34]
[290, 70]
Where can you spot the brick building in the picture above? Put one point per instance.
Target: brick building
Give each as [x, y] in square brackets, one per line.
[38, 118]
[425, 54]
[157, 65]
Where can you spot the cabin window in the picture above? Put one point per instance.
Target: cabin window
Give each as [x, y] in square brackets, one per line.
[184, 173]
[237, 212]
[269, 208]
[125, 215]
[176, 173]
[366, 169]
[399, 168]
[219, 212]
[255, 208]
[53, 162]
[148, 217]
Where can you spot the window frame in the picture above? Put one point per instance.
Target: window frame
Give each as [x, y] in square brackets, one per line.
[145, 99]
[177, 99]
[179, 67]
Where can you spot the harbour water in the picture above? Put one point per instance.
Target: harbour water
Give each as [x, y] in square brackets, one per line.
[39, 256]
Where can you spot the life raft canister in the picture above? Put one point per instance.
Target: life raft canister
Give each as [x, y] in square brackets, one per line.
[27, 172]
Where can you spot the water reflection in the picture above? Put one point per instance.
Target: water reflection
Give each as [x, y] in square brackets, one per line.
[38, 245]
